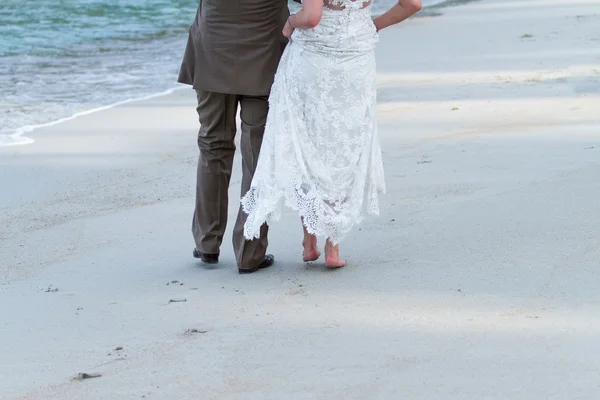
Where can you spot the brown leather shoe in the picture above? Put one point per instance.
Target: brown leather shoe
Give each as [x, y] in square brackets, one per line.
[268, 261]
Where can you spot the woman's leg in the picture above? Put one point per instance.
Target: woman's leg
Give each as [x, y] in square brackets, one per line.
[332, 255]
[311, 250]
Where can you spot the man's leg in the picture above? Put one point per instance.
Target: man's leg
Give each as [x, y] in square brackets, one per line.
[217, 113]
[250, 254]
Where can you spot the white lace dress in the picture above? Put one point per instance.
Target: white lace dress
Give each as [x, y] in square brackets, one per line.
[320, 153]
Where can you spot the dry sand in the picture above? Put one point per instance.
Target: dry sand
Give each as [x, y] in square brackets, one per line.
[479, 280]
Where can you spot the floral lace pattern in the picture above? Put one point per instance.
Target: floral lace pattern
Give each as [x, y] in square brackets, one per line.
[321, 154]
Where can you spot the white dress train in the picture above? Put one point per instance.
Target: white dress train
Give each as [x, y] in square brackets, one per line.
[320, 153]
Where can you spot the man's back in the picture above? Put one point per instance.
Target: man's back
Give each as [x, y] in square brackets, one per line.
[234, 46]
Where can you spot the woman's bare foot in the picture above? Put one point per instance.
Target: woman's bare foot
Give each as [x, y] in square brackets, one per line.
[332, 256]
[311, 249]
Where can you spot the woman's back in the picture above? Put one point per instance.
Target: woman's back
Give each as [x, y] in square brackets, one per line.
[345, 27]
[346, 4]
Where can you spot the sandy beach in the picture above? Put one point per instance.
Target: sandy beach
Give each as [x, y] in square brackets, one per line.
[478, 281]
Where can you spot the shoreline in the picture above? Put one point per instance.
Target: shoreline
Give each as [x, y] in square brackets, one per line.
[18, 139]
[435, 10]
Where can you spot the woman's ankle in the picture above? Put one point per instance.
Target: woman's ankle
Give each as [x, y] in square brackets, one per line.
[309, 239]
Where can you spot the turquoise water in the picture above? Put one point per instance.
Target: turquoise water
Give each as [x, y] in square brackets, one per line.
[61, 57]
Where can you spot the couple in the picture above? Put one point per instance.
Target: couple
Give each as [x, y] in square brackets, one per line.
[309, 111]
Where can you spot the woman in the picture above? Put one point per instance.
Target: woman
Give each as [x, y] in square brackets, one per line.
[320, 153]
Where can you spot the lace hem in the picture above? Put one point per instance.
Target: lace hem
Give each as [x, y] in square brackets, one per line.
[309, 206]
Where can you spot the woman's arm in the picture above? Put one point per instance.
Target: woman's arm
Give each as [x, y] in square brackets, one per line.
[309, 16]
[398, 13]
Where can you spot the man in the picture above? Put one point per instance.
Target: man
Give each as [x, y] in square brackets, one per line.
[233, 50]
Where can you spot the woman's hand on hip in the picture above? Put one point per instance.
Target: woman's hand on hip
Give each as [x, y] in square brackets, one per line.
[288, 29]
